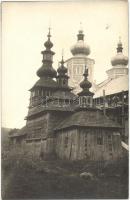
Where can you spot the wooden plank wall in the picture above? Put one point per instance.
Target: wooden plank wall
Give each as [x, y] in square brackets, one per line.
[38, 127]
[82, 144]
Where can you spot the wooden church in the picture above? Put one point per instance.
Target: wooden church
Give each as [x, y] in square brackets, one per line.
[62, 124]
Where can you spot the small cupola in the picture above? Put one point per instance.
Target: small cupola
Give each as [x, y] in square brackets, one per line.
[119, 59]
[80, 48]
[62, 77]
[85, 85]
[85, 96]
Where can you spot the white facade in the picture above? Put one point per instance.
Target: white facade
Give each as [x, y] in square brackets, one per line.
[75, 67]
[117, 71]
[117, 80]
[113, 86]
[77, 63]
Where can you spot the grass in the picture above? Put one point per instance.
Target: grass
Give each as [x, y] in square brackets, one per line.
[31, 178]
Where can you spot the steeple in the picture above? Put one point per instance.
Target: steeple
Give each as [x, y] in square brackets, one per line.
[85, 85]
[80, 48]
[119, 63]
[62, 78]
[46, 85]
[46, 69]
[119, 46]
[80, 35]
[119, 59]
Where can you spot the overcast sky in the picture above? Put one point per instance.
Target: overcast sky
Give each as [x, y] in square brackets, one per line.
[24, 29]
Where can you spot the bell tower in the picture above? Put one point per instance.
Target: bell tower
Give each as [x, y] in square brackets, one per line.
[46, 85]
[119, 63]
[80, 52]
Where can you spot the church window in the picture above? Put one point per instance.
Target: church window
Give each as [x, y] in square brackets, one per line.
[66, 142]
[84, 100]
[44, 56]
[74, 71]
[77, 70]
[81, 70]
[47, 56]
[100, 140]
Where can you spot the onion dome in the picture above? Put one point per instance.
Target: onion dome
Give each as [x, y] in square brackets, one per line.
[46, 72]
[119, 59]
[48, 44]
[46, 69]
[62, 70]
[80, 47]
[85, 85]
[62, 77]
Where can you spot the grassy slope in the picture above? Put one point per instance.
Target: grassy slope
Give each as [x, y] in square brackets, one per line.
[37, 179]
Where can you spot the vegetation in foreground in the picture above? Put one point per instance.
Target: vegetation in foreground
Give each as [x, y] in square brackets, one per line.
[26, 177]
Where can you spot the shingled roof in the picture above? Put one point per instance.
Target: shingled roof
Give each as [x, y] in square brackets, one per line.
[46, 83]
[50, 107]
[89, 118]
[18, 132]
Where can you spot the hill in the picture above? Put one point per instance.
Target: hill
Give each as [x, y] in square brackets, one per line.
[4, 137]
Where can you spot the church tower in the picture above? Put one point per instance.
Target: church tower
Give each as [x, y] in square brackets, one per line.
[46, 85]
[62, 77]
[119, 63]
[75, 64]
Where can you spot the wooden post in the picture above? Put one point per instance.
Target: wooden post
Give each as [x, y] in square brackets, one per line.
[104, 100]
[122, 115]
